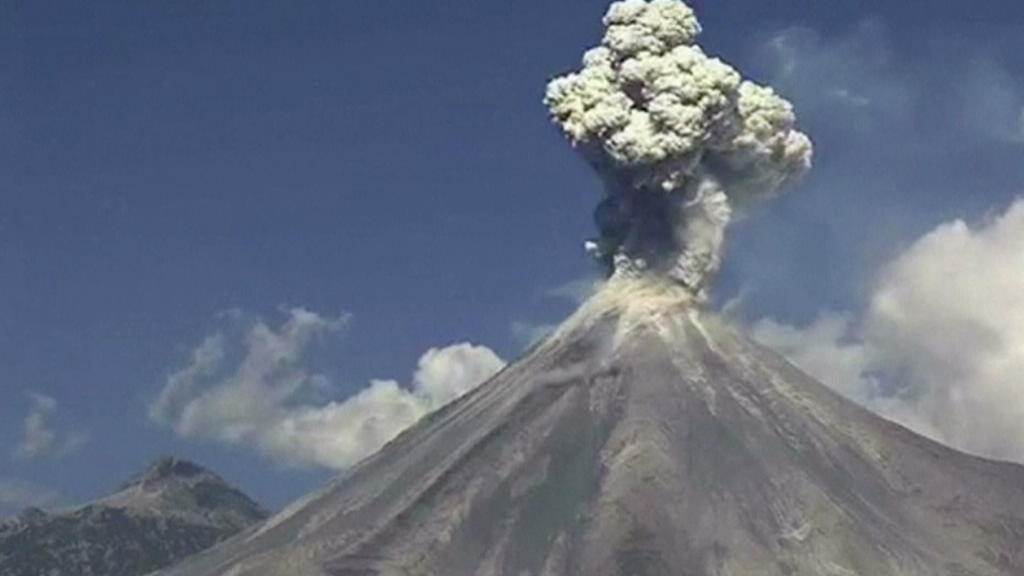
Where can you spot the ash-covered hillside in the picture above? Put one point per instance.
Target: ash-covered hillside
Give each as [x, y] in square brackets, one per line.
[647, 438]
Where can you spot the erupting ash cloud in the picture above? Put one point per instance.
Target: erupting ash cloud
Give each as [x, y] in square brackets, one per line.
[680, 139]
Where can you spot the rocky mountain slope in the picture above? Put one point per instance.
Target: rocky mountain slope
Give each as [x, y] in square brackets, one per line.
[171, 510]
[646, 438]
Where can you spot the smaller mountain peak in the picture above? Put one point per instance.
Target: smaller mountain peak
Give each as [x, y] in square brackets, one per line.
[170, 510]
[165, 469]
[170, 466]
[31, 514]
[26, 517]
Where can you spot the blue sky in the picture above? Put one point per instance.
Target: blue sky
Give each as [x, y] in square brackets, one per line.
[176, 171]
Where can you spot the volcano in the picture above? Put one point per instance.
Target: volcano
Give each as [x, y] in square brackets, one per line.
[645, 437]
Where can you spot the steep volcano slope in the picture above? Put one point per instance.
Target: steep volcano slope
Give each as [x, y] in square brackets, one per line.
[644, 439]
[171, 510]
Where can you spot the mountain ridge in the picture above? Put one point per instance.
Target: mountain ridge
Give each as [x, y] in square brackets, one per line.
[170, 510]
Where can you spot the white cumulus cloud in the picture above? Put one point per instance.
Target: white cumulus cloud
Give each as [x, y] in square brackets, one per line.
[339, 434]
[824, 350]
[948, 318]
[941, 345]
[260, 393]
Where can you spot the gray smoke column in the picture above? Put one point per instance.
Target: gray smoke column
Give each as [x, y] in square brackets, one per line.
[680, 139]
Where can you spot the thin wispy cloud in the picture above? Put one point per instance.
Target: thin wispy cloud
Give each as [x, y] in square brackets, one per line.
[854, 76]
[993, 101]
[42, 437]
[575, 292]
[527, 334]
[17, 494]
[857, 79]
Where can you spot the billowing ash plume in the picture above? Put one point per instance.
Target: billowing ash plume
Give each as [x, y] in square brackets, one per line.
[680, 139]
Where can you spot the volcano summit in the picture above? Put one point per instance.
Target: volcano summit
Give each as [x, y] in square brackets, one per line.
[645, 437]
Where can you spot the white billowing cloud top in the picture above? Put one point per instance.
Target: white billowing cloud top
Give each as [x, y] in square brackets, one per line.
[948, 314]
[269, 400]
[941, 346]
[339, 434]
[655, 115]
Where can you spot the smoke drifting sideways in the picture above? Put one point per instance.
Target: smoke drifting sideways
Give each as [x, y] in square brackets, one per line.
[681, 141]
